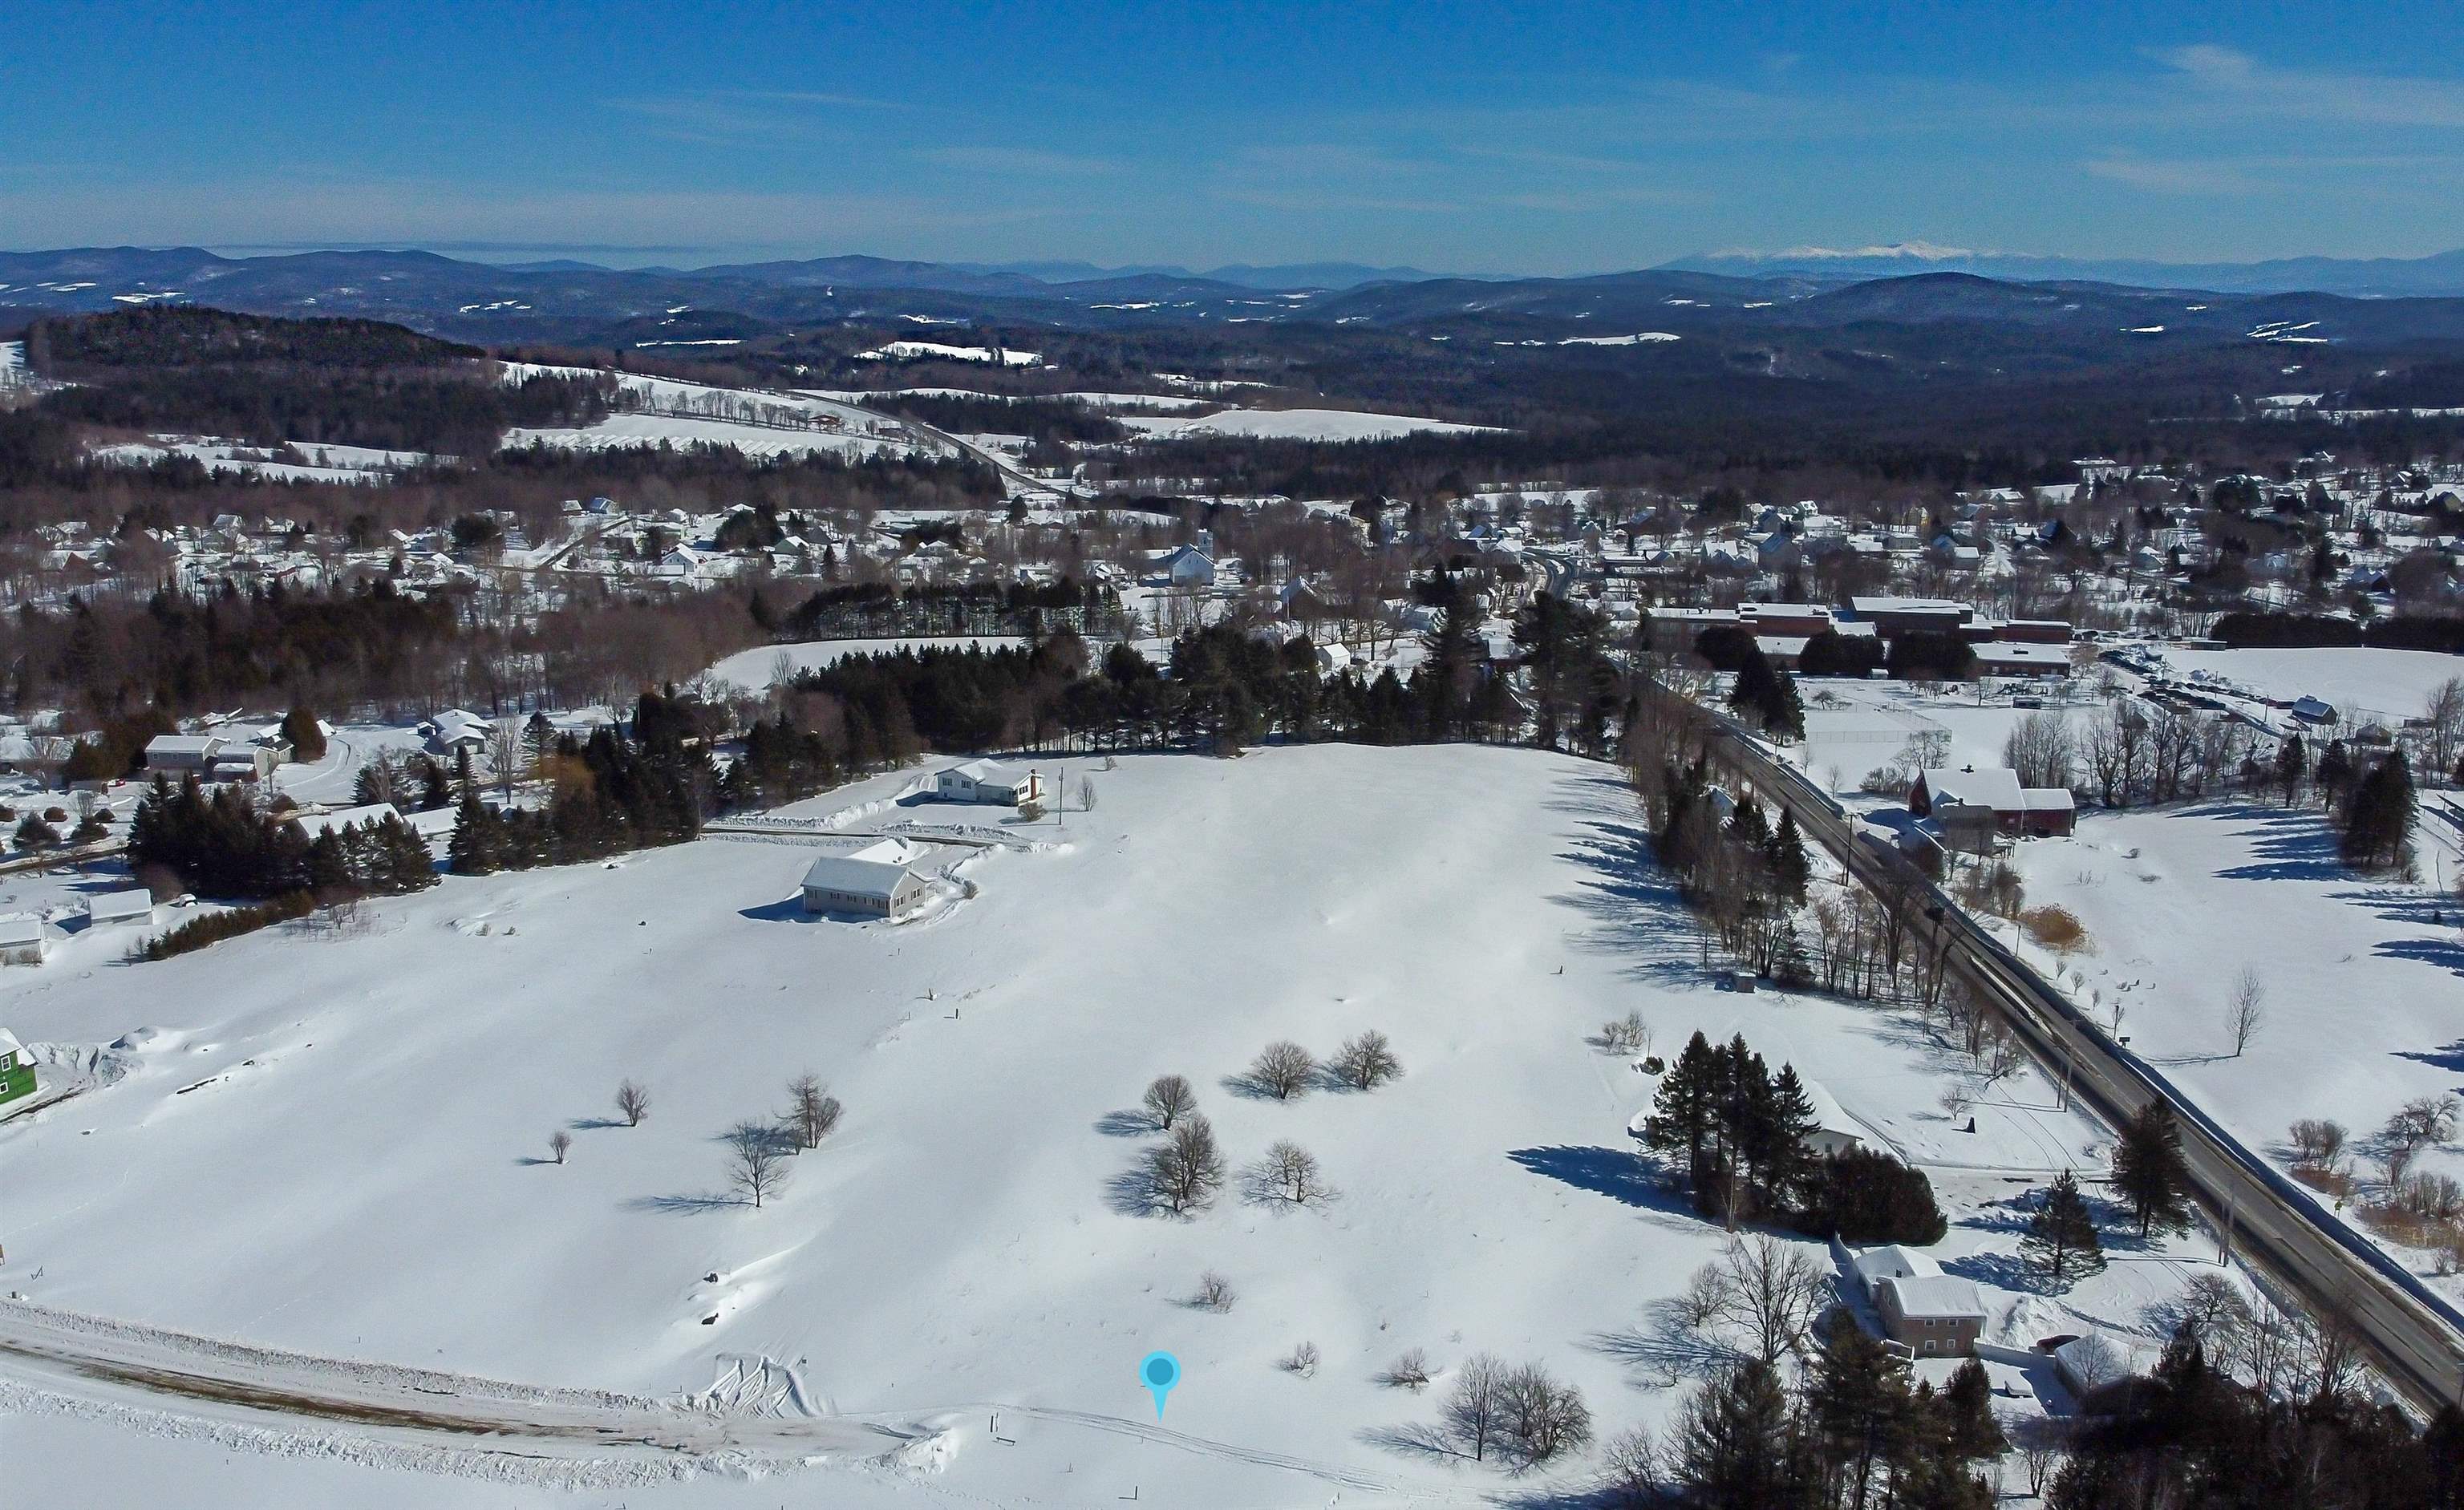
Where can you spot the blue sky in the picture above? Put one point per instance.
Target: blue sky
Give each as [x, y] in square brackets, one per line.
[1480, 137]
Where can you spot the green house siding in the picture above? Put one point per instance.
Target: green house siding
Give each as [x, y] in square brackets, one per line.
[15, 1079]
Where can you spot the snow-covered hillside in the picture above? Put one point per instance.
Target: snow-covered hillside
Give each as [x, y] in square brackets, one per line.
[1299, 425]
[340, 1144]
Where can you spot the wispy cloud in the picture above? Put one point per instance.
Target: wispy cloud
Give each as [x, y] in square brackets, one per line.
[735, 115]
[1027, 161]
[2224, 75]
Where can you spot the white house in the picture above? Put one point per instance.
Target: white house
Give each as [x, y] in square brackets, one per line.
[983, 782]
[136, 905]
[1187, 566]
[182, 754]
[457, 729]
[876, 880]
[1835, 1131]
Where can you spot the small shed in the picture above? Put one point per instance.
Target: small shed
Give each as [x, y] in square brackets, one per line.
[106, 908]
[24, 933]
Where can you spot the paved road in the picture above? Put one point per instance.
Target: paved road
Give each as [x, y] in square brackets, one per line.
[2413, 1336]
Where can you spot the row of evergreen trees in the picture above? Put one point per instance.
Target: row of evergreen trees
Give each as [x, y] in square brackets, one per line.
[225, 846]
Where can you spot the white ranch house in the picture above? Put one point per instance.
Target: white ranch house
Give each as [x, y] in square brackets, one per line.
[983, 782]
[877, 881]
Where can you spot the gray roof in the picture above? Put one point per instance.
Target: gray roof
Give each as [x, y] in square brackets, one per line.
[872, 872]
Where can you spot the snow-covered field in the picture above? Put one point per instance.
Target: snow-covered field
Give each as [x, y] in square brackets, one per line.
[338, 1145]
[2387, 684]
[923, 350]
[2361, 976]
[758, 668]
[344, 464]
[680, 413]
[1301, 425]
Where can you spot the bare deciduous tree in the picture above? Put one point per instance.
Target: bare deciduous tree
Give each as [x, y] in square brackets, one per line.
[2247, 1010]
[1475, 1403]
[1289, 1173]
[2421, 1122]
[1302, 1360]
[633, 1102]
[1366, 1062]
[1626, 1034]
[1215, 1292]
[757, 1156]
[1770, 1291]
[558, 1141]
[2319, 1143]
[812, 1111]
[1543, 1417]
[1630, 1469]
[1410, 1369]
[1283, 1069]
[1169, 1099]
[1186, 1171]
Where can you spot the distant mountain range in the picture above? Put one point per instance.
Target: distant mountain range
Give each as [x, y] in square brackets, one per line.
[2436, 276]
[1749, 305]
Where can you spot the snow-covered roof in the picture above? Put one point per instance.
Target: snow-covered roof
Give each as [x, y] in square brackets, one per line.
[9, 1044]
[1892, 1262]
[1828, 1114]
[1993, 786]
[986, 773]
[20, 930]
[314, 825]
[201, 746]
[1938, 1296]
[118, 907]
[872, 872]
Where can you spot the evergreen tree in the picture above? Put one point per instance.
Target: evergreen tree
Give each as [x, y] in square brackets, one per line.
[1685, 1106]
[2149, 1171]
[2292, 761]
[2334, 775]
[474, 849]
[305, 735]
[2061, 1244]
[1968, 1413]
[1735, 1447]
[2378, 822]
[1787, 1164]
[1858, 1400]
[1791, 871]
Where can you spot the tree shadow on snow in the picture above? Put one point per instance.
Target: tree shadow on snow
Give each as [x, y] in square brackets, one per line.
[2449, 1058]
[685, 1205]
[2289, 846]
[2001, 1270]
[1634, 910]
[1622, 1176]
[2441, 952]
[1413, 1439]
[1124, 1124]
[1664, 1351]
[1131, 1193]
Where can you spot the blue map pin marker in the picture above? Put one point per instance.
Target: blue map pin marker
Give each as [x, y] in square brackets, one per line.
[1160, 1371]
